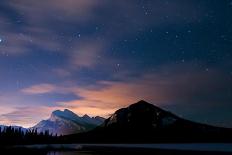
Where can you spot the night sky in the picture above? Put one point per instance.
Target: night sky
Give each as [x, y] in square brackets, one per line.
[95, 56]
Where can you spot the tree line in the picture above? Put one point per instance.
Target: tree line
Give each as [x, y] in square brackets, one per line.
[17, 136]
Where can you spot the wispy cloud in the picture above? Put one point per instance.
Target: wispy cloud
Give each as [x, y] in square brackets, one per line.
[61, 72]
[41, 12]
[25, 116]
[182, 87]
[68, 40]
[35, 26]
[39, 89]
[170, 86]
[86, 53]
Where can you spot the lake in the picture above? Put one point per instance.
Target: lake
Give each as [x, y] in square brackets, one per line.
[119, 149]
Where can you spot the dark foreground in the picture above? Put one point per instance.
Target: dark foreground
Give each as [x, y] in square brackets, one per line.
[106, 151]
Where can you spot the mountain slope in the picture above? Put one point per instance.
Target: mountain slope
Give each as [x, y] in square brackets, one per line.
[140, 115]
[143, 122]
[66, 122]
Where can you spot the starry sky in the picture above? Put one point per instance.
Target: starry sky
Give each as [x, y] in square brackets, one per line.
[95, 56]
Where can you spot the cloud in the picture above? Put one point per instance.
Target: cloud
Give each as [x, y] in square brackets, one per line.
[52, 26]
[25, 116]
[93, 111]
[35, 23]
[177, 87]
[40, 12]
[86, 53]
[61, 72]
[171, 86]
[18, 42]
[39, 89]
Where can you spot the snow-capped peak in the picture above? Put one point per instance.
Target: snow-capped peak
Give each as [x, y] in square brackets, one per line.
[66, 113]
[67, 122]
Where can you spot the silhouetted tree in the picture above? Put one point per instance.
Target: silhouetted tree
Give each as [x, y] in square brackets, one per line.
[16, 136]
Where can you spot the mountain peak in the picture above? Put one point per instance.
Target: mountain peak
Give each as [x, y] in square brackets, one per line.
[86, 116]
[141, 114]
[67, 122]
[67, 110]
[144, 105]
[142, 102]
[66, 113]
[56, 111]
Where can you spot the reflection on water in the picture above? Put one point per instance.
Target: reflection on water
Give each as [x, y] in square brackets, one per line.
[133, 152]
[119, 149]
[108, 152]
[71, 153]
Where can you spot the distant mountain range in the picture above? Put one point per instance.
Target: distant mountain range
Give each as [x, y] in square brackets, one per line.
[66, 122]
[140, 122]
[143, 122]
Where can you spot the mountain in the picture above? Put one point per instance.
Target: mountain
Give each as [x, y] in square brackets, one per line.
[66, 122]
[143, 122]
[141, 115]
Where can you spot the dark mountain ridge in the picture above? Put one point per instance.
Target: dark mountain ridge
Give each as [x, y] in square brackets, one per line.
[143, 122]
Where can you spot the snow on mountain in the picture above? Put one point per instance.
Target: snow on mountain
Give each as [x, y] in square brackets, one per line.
[66, 122]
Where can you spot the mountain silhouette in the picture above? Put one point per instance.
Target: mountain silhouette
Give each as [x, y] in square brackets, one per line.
[67, 122]
[143, 122]
[140, 115]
